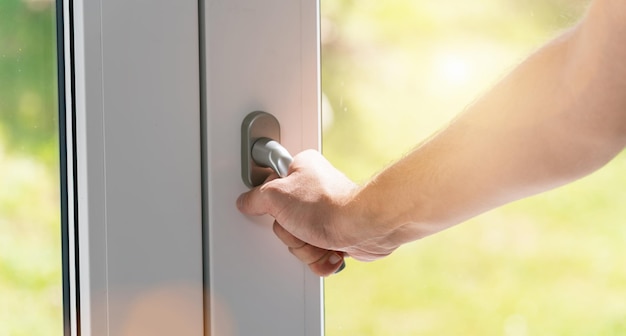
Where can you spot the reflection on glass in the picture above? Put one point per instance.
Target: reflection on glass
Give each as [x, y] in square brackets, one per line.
[30, 241]
[395, 71]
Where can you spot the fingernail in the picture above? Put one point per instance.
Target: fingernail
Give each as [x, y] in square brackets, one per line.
[334, 258]
[343, 265]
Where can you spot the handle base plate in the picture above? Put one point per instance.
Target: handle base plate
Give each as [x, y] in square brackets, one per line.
[255, 125]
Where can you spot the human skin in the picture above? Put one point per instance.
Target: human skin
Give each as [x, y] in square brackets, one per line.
[558, 116]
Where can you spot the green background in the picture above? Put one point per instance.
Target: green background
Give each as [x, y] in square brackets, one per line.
[393, 72]
[30, 245]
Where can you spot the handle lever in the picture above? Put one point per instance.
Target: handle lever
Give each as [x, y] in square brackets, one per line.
[269, 153]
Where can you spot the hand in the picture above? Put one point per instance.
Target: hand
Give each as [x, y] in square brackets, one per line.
[315, 212]
[304, 205]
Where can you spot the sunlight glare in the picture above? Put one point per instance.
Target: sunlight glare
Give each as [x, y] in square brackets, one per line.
[453, 69]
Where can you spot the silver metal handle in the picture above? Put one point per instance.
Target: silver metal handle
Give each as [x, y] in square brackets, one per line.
[269, 153]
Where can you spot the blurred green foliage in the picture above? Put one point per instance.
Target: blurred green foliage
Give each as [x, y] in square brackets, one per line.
[28, 96]
[30, 248]
[394, 72]
[30, 245]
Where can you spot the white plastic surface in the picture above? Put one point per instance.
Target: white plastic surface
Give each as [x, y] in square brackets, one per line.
[260, 55]
[139, 172]
[139, 165]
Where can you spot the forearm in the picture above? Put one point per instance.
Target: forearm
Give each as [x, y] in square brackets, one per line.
[560, 115]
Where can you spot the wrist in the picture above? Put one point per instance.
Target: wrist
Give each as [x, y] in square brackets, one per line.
[370, 212]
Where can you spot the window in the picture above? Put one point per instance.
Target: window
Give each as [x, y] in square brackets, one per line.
[161, 245]
[30, 218]
[139, 145]
[393, 72]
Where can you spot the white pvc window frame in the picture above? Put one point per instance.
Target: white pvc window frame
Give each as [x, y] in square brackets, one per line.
[155, 93]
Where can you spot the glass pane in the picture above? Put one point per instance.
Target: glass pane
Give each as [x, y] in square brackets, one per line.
[30, 234]
[395, 71]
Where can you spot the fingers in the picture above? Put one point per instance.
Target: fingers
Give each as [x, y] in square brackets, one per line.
[255, 202]
[330, 264]
[321, 261]
[287, 238]
[288, 200]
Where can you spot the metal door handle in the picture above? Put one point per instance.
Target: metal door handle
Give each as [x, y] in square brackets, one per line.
[269, 153]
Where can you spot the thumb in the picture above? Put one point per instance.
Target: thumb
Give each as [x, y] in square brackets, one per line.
[255, 202]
